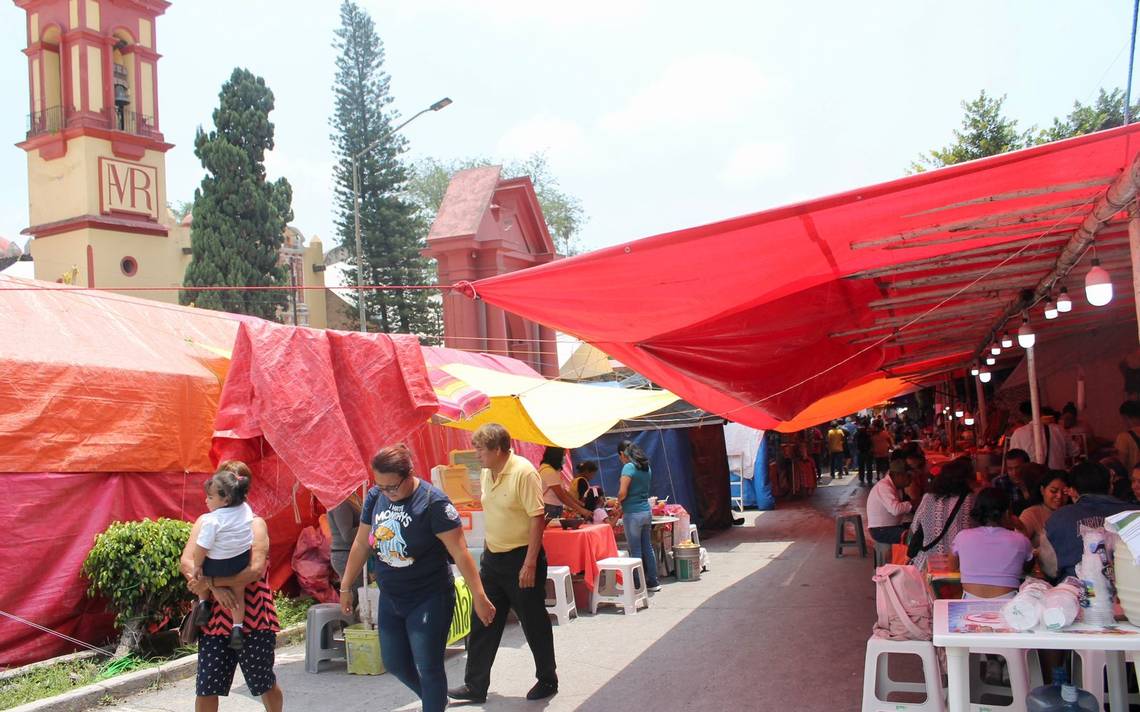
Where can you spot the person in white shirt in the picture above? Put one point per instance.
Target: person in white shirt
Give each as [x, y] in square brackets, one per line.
[1057, 444]
[888, 507]
[225, 538]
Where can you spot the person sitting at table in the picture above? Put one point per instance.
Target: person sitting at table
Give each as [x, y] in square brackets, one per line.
[888, 505]
[637, 519]
[945, 510]
[1013, 481]
[554, 495]
[589, 494]
[1088, 486]
[991, 556]
[1049, 495]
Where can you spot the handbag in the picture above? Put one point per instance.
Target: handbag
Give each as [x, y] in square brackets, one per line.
[188, 632]
[914, 546]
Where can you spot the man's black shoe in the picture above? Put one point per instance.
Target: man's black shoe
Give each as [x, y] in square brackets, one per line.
[542, 690]
[467, 694]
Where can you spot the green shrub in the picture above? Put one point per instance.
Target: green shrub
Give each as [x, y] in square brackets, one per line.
[291, 611]
[134, 565]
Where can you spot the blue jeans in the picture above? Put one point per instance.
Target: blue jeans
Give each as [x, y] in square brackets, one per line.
[413, 636]
[638, 532]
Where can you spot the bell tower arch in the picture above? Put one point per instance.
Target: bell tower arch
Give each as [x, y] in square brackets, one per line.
[96, 152]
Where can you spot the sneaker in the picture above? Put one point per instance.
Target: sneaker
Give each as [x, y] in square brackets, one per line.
[237, 638]
[466, 694]
[202, 613]
[654, 589]
[542, 690]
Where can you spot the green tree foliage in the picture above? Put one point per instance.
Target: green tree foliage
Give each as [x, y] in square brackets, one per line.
[985, 131]
[391, 231]
[134, 565]
[239, 216]
[563, 212]
[1105, 113]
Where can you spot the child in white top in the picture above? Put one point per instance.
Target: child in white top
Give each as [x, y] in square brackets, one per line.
[225, 537]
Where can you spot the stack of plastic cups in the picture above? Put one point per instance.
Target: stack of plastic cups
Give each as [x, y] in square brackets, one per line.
[1092, 571]
[1024, 610]
[1061, 604]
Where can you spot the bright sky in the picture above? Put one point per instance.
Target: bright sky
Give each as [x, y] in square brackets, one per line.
[657, 115]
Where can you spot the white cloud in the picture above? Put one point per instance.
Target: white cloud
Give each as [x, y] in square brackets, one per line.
[755, 161]
[705, 90]
[564, 142]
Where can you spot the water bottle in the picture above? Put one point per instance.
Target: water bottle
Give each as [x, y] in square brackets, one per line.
[1060, 697]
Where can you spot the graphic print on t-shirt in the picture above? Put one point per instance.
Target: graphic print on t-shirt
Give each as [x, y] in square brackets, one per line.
[387, 537]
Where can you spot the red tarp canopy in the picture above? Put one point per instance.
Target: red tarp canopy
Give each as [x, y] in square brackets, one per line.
[760, 317]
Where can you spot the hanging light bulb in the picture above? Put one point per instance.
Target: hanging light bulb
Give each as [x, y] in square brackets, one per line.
[1025, 336]
[990, 360]
[984, 375]
[1050, 308]
[1006, 340]
[1064, 304]
[995, 349]
[974, 370]
[959, 411]
[968, 419]
[1098, 285]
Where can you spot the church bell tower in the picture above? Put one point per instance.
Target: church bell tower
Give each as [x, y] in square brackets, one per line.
[96, 153]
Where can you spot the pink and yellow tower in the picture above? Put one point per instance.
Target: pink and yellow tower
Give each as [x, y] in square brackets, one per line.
[96, 153]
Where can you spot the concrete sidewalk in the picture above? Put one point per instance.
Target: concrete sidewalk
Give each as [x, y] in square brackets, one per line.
[778, 623]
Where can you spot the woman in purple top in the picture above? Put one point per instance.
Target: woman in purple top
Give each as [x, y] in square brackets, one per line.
[991, 557]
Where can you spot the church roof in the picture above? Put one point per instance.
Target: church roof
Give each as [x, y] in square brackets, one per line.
[468, 197]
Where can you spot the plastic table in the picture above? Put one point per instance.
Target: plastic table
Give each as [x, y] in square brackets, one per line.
[581, 549]
[1076, 637]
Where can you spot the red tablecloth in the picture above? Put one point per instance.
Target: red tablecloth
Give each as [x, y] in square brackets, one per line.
[580, 549]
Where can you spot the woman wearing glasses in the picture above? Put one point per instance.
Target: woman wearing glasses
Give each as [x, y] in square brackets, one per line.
[411, 528]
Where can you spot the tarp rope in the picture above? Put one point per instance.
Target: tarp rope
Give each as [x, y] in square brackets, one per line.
[56, 633]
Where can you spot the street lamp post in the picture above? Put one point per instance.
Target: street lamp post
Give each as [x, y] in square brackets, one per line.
[356, 205]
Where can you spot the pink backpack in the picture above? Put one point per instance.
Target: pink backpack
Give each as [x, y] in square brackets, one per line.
[902, 602]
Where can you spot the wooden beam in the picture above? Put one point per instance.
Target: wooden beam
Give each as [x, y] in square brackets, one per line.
[976, 256]
[933, 296]
[1023, 193]
[967, 275]
[1009, 218]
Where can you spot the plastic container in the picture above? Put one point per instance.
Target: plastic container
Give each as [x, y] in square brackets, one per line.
[1060, 697]
[362, 648]
[687, 559]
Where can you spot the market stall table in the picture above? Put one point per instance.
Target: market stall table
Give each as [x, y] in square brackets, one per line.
[581, 549]
[958, 626]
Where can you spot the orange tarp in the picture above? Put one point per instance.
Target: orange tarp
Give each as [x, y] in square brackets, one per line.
[98, 382]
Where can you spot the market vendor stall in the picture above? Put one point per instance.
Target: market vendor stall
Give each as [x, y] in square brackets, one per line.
[581, 549]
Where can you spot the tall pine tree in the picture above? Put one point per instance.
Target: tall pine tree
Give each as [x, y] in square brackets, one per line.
[985, 131]
[390, 230]
[239, 217]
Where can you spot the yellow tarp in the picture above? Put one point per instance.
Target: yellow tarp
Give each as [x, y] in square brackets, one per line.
[847, 401]
[553, 412]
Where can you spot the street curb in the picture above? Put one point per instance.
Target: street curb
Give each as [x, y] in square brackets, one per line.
[84, 698]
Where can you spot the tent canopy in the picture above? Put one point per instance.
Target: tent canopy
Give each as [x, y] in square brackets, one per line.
[760, 317]
[555, 413]
[100, 382]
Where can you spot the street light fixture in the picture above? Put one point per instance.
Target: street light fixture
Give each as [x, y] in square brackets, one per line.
[444, 102]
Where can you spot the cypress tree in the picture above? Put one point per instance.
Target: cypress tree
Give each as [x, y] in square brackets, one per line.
[391, 232]
[239, 216]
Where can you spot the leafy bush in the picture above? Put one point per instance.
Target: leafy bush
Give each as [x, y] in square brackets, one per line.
[134, 565]
[291, 611]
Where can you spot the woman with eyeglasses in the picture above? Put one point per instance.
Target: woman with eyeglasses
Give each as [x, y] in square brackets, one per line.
[411, 528]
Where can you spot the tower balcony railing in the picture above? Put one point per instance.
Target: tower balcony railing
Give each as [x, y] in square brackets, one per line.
[53, 120]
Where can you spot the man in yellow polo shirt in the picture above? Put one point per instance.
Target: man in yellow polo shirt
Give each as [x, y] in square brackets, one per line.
[513, 567]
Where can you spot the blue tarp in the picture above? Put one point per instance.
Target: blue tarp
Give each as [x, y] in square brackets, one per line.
[670, 459]
[756, 491]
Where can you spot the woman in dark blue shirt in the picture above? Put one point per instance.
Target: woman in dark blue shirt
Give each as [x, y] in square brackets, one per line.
[636, 516]
[411, 527]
